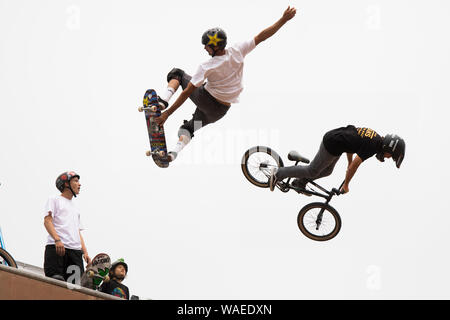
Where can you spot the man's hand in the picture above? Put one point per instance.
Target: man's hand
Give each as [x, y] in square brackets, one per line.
[87, 259]
[351, 170]
[289, 14]
[60, 250]
[162, 118]
[344, 188]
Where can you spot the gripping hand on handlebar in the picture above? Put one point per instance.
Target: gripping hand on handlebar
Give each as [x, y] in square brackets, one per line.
[344, 189]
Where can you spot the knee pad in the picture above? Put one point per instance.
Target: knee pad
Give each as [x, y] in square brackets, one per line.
[186, 130]
[185, 138]
[175, 73]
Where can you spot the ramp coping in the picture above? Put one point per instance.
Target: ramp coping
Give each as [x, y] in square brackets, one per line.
[69, 286]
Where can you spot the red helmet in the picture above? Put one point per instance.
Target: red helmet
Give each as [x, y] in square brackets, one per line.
[65, 177]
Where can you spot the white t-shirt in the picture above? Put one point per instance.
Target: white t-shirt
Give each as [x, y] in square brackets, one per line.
[224, 73]
[67, 222]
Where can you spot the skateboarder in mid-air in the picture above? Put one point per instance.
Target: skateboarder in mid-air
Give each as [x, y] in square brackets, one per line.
[364, 142]
[223, 73]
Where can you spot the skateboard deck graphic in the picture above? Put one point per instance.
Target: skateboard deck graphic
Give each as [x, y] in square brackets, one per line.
[96, 272]
[156, 135]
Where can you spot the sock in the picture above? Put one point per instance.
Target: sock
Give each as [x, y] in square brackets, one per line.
[181, 143]
[167, 94]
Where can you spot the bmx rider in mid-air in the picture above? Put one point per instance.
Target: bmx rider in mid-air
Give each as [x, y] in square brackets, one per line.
[364, 142]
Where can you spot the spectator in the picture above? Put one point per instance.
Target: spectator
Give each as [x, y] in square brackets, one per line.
[65, 245]
[114, 286]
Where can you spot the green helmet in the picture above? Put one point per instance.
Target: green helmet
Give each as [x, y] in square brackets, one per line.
[120, 261]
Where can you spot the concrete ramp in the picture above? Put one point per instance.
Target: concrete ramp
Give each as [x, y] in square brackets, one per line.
[21, 284]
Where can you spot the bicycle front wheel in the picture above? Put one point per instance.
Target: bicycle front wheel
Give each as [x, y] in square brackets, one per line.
[6, 259]
[257, 164]
[319, 221]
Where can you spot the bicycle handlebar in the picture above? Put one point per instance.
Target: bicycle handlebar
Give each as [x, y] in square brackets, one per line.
[338, 191]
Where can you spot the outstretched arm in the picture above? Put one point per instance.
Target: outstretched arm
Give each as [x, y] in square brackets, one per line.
[181, 99]
[349, 159]
[351, 170]
[288, 14]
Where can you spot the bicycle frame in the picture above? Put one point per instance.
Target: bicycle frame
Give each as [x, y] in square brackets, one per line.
[327, 195]
[258, 171]
[2, 242]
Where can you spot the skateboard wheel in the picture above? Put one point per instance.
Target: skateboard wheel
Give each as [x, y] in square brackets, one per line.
[106, 279]
[153, 109]
[90, 274]
[148, 153]
[140, 109]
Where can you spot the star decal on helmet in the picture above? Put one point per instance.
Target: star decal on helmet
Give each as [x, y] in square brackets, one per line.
[214, 40]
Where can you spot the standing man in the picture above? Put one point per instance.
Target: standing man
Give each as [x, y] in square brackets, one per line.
[65, 245]
[223, 73]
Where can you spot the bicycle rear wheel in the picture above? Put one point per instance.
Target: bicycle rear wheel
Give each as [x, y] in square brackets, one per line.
[6, 259]
[319, 221]
[257, 163]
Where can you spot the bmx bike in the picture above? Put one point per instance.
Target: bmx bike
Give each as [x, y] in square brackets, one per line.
[318, 221]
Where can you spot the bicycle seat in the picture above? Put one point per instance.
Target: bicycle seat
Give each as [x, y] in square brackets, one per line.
[295, 156]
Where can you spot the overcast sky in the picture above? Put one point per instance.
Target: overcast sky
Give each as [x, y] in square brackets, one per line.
[72, 74]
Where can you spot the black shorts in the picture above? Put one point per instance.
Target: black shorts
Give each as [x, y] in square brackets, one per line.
[55, 265]
[208, 110]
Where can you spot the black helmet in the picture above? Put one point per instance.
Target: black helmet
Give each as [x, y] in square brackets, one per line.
[395, 146]
[215, 37]
[66, 177]
[120, 261]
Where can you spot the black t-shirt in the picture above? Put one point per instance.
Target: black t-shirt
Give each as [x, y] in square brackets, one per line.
[116, 289]
[364, 142]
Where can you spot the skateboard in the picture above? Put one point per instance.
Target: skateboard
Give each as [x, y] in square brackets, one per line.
[155, 132]
[96, 272]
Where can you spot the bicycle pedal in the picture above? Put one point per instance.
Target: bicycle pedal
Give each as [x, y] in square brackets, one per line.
[302, 191]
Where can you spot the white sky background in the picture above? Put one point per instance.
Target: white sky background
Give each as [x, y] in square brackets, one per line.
[72, 74]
